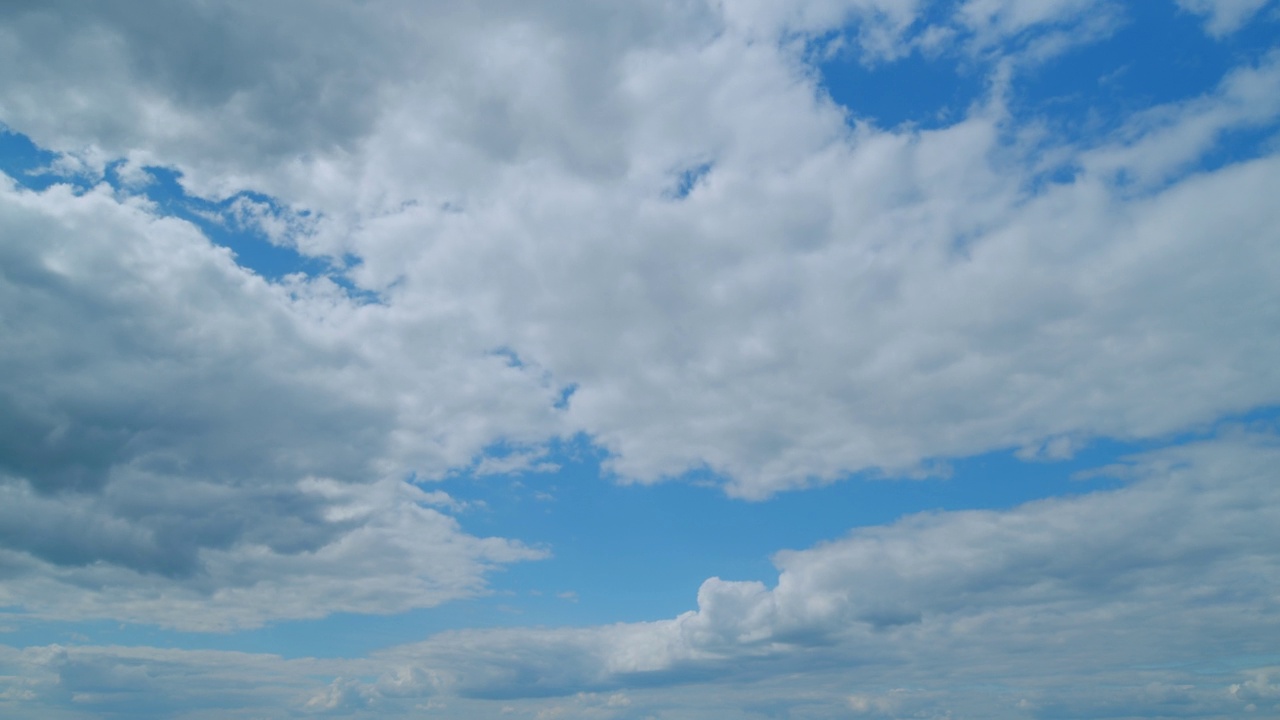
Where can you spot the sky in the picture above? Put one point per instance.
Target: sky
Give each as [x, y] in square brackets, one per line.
[669, 359]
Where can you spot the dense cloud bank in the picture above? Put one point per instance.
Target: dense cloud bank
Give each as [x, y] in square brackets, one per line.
[1159, 597]
[662, 217]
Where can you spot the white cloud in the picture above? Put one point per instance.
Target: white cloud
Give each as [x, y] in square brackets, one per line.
[187, 445]
[374, 549]
[826, 300]
[1035, 600]
[1141, 594]
[281, 227]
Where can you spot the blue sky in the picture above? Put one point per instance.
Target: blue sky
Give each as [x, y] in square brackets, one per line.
[842, 358]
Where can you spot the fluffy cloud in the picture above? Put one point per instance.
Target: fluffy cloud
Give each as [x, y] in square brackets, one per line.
[1139, 594]
[824, 300]
[185, 444]
[1063, 581]
[653, 210]
[872, 299]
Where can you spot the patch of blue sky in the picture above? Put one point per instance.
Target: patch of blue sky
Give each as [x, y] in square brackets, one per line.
[1158, 55]
[625, 550]
[511, 356]
[1238, 145]
[633, 552]
[34, 168]
[688, 179]
[917, 90]
[921, 90]
[252, 248]
[565, 395]
[26, 162]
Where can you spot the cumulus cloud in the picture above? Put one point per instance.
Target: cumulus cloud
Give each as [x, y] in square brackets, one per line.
[825, 299]
[914, 597]
[891, 280]
[1003, 614]
[183, 442]
[328, 548]
[647, 224]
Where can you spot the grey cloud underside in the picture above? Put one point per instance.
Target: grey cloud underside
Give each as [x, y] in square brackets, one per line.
[147, 347]
[225, 90]
[1159, 598]
[143, 349]
[178, 429]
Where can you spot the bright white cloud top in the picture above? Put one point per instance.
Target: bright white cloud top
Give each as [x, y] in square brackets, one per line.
[443, 359]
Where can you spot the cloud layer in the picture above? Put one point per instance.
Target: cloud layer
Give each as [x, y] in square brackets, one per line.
[650, 226]
[1151, 595]
[1084, 571]
[824, 299]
